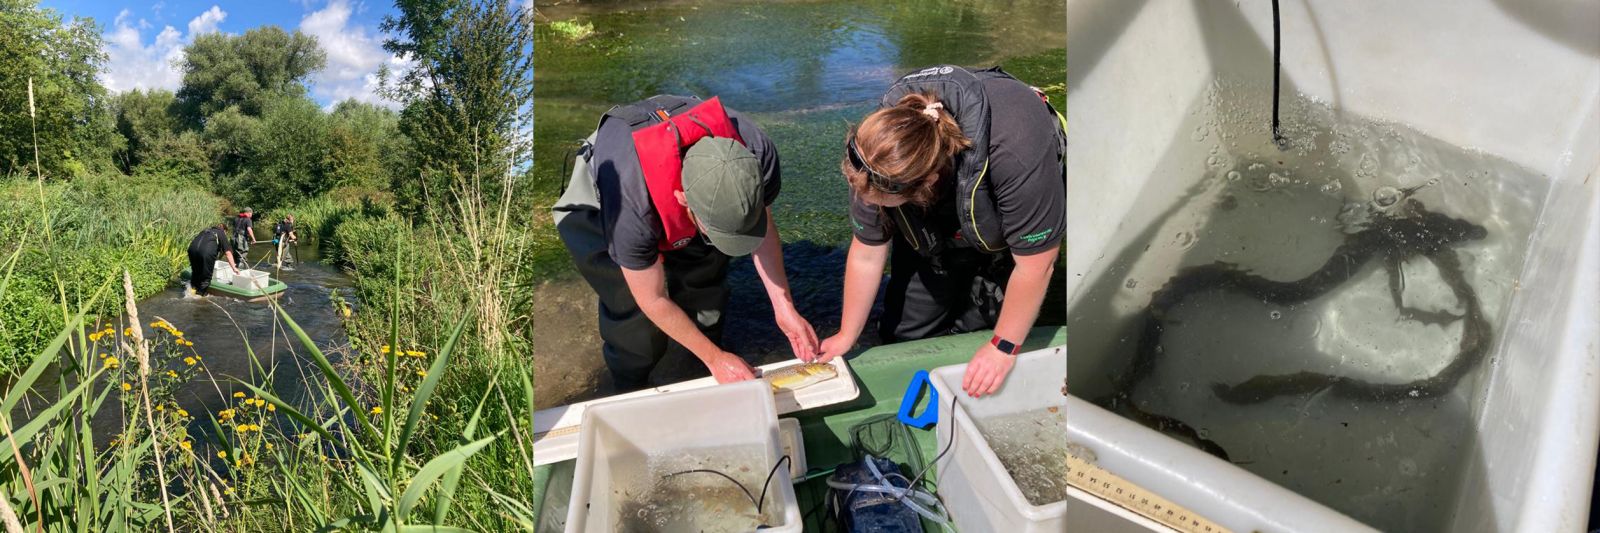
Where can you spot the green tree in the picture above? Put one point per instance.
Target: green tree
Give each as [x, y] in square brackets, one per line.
[231, 138]
[246, 71]
[467, 98]
[141, 118]
[62, 58]
[365, 147]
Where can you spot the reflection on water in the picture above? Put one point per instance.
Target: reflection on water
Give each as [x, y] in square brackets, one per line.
[1393, 316]
[779, 56]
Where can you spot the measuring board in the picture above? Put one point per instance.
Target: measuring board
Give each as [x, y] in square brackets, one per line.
[555, 430]
[1123, 493]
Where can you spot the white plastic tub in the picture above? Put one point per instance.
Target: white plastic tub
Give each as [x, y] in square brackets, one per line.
[250, 279]
[221, 272]
[1513, 82]
[618, 438]
[977, 490]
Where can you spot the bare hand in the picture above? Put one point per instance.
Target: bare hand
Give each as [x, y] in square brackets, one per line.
[802, 338]
[834, 346]
[729, 368]
[987, 371]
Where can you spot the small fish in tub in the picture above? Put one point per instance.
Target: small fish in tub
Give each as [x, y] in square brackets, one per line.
[799, 376]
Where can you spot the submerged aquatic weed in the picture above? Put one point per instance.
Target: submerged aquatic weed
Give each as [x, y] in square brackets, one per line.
[572, 30]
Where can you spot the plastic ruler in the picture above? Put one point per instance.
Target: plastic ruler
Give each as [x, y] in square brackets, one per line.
[1123, 493]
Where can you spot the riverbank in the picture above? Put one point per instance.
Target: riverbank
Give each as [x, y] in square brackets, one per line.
[226, 411]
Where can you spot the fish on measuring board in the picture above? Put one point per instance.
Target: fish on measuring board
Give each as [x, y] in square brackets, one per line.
[799, 376]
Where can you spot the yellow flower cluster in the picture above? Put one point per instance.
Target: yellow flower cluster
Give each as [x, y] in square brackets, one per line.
[404, 353]
[226, 415]
[191, 360]
[96, 336]
[111, 362]
[246, 428]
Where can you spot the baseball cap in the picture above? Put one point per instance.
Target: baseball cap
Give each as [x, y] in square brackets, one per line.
[722, 185]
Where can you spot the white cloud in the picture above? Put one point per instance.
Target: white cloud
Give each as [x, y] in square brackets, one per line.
[134, 65]
[206, 22]
[354, 56]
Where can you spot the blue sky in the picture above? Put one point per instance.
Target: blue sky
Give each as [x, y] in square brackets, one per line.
[144, 38]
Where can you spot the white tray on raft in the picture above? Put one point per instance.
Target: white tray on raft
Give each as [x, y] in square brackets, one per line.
[555, 430]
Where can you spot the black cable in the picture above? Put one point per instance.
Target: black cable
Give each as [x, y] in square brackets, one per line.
[770, 473]
[736, 482]
[947, 446]
[1277, 71]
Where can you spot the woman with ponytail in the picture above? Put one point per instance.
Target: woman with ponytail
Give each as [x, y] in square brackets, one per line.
[957, 185]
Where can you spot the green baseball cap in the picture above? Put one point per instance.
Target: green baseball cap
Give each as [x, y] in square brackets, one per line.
[722, 185]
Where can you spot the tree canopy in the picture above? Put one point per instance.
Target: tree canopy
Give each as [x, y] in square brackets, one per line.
[246, 71]
[62, 58]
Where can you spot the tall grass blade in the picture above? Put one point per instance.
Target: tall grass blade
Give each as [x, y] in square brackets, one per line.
[452, 479]
[20, 388]
[425, 391]
[338, 384]
[436, 468]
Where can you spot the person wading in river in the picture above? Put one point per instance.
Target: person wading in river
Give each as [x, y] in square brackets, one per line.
[958, 184]
[244, 233]
[284, 238]
[662, 194]
[204, 250]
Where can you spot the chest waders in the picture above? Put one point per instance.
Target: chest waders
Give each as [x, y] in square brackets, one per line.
[696, 273]
[950, 263]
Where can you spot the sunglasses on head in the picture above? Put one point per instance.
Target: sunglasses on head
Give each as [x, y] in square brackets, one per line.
[875, 179]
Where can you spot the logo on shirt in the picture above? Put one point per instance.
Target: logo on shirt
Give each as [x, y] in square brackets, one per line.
[1034, 238]
[682, 242]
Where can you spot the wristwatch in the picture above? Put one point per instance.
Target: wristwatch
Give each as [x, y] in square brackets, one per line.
[1006, 346]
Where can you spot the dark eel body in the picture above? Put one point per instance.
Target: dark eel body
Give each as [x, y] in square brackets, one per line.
[1415, 231]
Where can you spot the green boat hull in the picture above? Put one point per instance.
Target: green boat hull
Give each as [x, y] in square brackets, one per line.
[882, 373]
[272, 291]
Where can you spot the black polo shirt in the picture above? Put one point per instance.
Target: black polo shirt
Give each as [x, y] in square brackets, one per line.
[1025, 174]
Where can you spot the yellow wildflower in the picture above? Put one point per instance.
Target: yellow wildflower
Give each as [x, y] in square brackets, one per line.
[172, 374]
[183, 413]
[271, 407]
[422, 373]
[160, 408]
[222, 454]
[238, 395]
[126, 386]
[269, 446]
[385, 348]
[127, 331]
[186, 445]
[189, 361]
[242, 428]
[111, 362]
[227, 491]
[377, 410]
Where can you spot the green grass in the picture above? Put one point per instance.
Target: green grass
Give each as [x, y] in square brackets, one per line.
[80, 234]
[447, 445]
[361, 458]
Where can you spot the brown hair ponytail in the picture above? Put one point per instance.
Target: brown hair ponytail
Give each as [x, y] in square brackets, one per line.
[914, 143]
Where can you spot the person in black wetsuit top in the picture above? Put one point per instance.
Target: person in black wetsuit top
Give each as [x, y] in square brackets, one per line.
[204, 250]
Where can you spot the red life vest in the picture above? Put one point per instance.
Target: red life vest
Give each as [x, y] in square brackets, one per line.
[661, 148]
